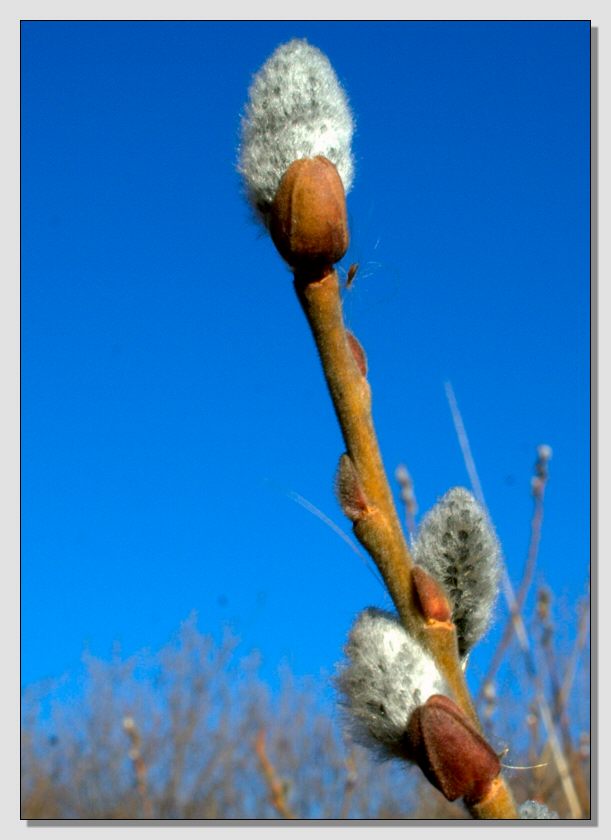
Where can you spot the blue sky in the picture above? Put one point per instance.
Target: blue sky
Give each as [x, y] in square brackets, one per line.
[172, 400]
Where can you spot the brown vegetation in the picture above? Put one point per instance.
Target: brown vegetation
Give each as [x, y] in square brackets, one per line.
[193, 733]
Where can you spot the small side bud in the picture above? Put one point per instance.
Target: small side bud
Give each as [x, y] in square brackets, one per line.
[349, 489]
[308, 221]
[451, 753]
[357, 351]
[430, 597]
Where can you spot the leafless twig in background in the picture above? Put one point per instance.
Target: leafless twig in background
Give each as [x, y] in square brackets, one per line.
[276, 787]
[135, 754]
[408, 498]
[539, 483]
[518, 623]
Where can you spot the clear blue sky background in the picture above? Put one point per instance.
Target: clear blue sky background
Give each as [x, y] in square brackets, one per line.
[171, 394]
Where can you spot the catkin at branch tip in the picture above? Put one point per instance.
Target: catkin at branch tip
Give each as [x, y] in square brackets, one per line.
[386, 675]
[457, 545]
[296, 109]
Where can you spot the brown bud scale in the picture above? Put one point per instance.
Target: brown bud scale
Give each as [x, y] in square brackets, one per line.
[430, 596]
[308, 221]
[349, 490]
[357, 351]
[451, 753]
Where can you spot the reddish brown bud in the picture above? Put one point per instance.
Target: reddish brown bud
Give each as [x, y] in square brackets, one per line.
[349, 489]
[357, 351]
[451, 753]
[308, 221]
[430, 596]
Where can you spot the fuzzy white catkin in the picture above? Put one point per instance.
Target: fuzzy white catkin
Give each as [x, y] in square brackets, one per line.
[457, 545]
[532, 810]
[386, 675]
[296, 109]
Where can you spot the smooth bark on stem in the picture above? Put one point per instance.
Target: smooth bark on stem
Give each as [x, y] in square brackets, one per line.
[379, 531]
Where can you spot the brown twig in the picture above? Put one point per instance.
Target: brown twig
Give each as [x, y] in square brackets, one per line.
[380, 530]
[349, 784]
[135, 754]
[275, 786]
[539, 483]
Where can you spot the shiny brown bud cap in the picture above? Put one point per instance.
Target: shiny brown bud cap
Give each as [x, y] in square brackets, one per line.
[308, 221]
[451, 753]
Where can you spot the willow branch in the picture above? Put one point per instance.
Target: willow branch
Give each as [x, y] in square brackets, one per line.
[375, 520]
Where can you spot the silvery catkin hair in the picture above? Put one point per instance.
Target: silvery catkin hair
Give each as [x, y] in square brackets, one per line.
[296, 109]
[457, 545]
[387, 674]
